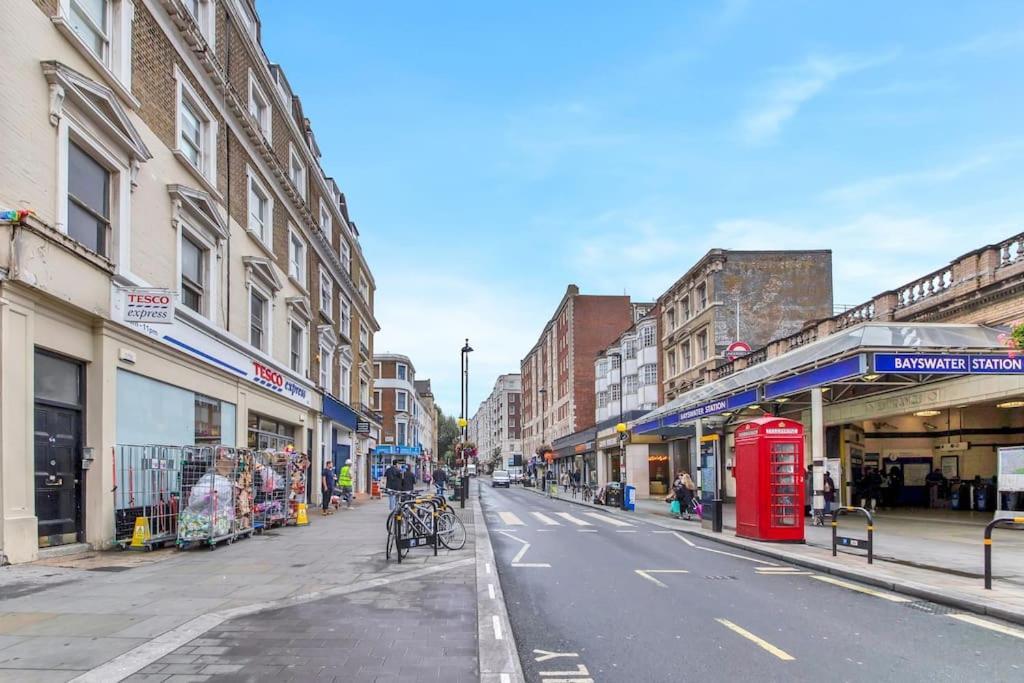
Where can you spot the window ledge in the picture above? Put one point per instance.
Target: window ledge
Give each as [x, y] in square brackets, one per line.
[108, 76]
[261, 244]
[298, 284]
[207, 184]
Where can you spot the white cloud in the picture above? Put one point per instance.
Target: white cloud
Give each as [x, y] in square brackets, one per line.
[869, 188]
[996, 41]
[797, 86]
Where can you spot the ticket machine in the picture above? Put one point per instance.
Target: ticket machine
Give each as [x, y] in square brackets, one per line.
[770, 480]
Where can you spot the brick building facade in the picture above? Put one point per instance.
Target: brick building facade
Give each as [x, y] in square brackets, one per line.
[496, 427]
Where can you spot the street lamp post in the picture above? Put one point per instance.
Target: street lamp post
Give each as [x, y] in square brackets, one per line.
[543, 395]
[620, 428]
[464, 422]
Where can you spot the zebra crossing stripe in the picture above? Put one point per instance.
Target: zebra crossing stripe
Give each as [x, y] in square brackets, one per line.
[606, 519]
[575, 520]
[544, 518]
[511, 519]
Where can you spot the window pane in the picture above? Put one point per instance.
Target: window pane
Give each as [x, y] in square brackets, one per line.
[192, 298]
[208, 420]
[296, 348]
[191, 132]
[256, 309]
[88, 18]
[192, 261]
[57, 379]
[83, 227]
[88, 181]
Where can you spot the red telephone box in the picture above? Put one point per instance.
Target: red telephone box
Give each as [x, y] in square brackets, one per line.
[770, 480]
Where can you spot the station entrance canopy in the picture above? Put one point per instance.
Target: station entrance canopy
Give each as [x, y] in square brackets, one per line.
[869, 358]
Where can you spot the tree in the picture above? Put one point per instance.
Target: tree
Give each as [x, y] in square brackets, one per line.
[447, 433]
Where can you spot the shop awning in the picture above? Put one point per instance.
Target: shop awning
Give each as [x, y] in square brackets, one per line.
[847, 354]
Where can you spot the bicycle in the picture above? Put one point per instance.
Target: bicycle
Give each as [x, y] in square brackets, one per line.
[418, 513]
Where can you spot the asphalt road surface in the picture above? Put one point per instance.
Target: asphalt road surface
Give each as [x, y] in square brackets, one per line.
[598, 597]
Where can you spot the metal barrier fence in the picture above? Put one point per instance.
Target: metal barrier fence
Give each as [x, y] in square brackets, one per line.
[849, 542]
[1016, 523]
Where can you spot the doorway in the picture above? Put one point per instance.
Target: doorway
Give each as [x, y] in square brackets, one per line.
[58, 449]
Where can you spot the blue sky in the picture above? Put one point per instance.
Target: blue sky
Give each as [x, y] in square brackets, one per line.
[492, 153]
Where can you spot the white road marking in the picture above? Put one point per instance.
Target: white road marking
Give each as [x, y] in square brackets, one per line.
[497, 627]
[511, 519]
[587, 531]
[490, 590]
[625, 531]
[662, 532]
[606, 519]
[760, 642]
[544, 518]
[781, 571]
[742, 557]
[684, 539]
[522, 551]
[861, 589]
[545, 655]
[646, 573]
[505, 678]
[487, 566]
[575, 520]
[581, 670]
[990, 625]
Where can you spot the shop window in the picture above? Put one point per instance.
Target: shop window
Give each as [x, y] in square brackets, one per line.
[269, 434]
[208, 420]
[297, 350]
[89, 190]
[194, 273]
[296, 257]
[259, 107]
[258, 310]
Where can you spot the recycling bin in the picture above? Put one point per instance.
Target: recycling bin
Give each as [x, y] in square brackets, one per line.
[630, 497]
[613, 494]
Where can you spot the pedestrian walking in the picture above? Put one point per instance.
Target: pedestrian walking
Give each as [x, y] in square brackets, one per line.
[393, 484]
[326, 488]
[440, 479]
[871, 489]
[575, 478]
[936, 482]
[828, 489]
[408, 479]
[345, 483]
[565, 481]
[809, 491]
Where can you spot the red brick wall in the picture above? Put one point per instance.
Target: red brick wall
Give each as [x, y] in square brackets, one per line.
[597, 322]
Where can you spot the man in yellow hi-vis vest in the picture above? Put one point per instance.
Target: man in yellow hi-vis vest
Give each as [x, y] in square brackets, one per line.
[345, 483]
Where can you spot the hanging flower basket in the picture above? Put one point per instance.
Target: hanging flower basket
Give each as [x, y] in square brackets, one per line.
[1014, 340]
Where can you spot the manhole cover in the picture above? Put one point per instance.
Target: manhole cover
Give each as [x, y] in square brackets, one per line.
[108, 569]
[929, 607]
[720, 578]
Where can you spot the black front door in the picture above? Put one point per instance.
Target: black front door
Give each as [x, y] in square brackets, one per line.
[58, 450]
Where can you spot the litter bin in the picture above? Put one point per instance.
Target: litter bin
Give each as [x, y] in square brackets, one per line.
[613, 494]
[630, 497]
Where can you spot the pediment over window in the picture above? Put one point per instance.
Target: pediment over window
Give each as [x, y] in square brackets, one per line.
[199, 205]
[262, 269]
[328, 337]
[95, 101]
[299, 305]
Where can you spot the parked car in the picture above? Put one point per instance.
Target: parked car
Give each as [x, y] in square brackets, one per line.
[500, 478]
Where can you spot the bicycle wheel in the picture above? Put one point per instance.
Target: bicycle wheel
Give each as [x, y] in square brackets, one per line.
[451, 531]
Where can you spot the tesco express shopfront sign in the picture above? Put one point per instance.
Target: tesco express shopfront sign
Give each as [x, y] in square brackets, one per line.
[197, 344]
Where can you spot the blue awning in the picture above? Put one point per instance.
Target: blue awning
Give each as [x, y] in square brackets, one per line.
[339, 412]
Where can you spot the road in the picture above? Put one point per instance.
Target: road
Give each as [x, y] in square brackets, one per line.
[590, 599]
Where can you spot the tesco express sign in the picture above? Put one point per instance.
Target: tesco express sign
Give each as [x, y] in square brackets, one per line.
[155, 307]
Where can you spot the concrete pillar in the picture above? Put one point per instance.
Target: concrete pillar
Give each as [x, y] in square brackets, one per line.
[637, 469]
[817, 427]
[19, 530]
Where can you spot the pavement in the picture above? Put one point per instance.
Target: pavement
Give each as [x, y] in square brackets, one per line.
[292, 604]
[595, 594]
[913, 556]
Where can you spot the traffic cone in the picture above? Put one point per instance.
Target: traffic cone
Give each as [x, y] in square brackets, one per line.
[301, 518]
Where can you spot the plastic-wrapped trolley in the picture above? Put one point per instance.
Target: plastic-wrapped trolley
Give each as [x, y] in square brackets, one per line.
[147, 492]
[270, 480]
[217, 495]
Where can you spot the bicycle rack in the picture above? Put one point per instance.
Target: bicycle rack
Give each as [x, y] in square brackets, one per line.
[419, 540]
[1006, 523]
[849, 542]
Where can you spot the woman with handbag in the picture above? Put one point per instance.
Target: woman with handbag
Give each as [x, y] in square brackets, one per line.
[689, 487]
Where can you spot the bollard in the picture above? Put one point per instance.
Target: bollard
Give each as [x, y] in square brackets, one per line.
[854, 542]
[988, 544]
